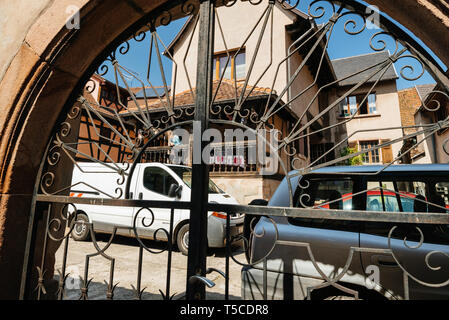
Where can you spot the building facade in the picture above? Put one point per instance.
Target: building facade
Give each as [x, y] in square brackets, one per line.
[368, 111]
[369, 115]
[251, 71]
[434, 107]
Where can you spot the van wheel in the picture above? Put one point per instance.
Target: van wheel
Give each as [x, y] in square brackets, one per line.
[81, 232]
[182, 239]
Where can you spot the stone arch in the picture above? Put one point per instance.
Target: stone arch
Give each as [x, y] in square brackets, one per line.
[47, 67]
[49, 64]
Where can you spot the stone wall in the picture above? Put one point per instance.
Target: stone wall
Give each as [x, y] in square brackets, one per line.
[409, 102]
[244, 189]
[41, 64]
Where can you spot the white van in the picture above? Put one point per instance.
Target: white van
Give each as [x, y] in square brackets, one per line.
[150, 181]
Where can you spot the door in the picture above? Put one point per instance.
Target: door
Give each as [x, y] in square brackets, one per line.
[396, 194]
[104, 218]
[153, 184]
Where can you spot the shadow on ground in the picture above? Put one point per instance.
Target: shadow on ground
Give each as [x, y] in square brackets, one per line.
[163, 245]
[98, 291]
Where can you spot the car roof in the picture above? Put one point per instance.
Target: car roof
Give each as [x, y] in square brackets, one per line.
[375, 168]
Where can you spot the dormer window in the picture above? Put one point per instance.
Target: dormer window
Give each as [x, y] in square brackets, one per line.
[231, 66]
[351, 104]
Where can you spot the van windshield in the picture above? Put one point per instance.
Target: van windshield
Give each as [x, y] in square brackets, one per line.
[185, 173]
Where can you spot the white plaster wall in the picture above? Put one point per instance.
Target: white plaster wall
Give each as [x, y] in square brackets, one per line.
[443, 157]
[96, 91]
[388, 116]
[243, 189]
[427, 144]
[235, 33]
[302, 89]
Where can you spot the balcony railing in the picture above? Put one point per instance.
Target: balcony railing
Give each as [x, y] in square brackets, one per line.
[235, 158]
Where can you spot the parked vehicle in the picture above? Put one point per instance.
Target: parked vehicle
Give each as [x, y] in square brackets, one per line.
[374, 201]
[398, 188]
[150, 181]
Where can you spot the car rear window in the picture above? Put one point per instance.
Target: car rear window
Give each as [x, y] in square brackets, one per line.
[441, 198]
[414, 196]
[327, 194]
[397, 196]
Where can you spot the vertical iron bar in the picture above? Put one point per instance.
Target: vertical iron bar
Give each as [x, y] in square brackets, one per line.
[265, 279]
[31, 238]
[170, 249]
[139, 273]
[200, 170]
[29, 249]
[44, 251]
[406, 288]
[85, 289]
[110, 289]
[64, 265]
[382, 196]
[228, 254]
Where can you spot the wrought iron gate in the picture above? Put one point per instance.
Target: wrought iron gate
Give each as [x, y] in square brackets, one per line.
[310, 106]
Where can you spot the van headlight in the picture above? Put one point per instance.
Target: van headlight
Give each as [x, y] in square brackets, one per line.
[220, 215]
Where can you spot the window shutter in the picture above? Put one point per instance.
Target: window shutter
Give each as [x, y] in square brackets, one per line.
[387, 153]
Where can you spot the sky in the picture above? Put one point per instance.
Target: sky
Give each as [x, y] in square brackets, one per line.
[341, 45]
[137, 58]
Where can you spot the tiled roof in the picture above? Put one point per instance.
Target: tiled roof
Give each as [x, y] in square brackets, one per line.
[228, 90]
[94, 104]
[150, 92]
[353, 65]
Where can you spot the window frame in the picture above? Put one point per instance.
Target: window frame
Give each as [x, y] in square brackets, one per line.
[345, 106]
[168, 174]
[370, 156]
[341, 225]
[232, 56]
[382, 229]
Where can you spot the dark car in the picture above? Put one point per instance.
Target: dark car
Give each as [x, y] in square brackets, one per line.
[416, 267]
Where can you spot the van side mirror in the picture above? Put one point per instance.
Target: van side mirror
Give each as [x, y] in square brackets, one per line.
[258, 202]
[174, 191]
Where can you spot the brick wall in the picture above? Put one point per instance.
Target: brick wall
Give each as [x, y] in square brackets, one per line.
[409, 102]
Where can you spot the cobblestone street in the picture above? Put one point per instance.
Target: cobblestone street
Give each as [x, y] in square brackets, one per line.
[154, 271]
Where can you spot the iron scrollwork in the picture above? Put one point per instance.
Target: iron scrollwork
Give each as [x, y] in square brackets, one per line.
[137, 134]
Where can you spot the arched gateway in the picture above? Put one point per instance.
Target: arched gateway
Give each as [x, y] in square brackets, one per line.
[275, 70]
